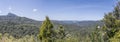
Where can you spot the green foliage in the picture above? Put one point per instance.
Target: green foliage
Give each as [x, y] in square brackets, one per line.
[19, 30]
[117, 23]
[27, 38]
[46, 30]
[109, 20]
[116, 38]
[61, 32]
[117, 12]
[112, 22]
[96, 35]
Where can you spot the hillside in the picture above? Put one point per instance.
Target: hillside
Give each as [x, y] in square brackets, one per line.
[21, 26]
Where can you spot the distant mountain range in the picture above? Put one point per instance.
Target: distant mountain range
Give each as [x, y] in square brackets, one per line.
[11, 17]
[11, 23]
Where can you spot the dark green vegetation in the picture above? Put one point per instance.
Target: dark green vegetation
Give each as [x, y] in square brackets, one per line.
[18, 26]
[111, 26]
[48, 33]
[21, 26]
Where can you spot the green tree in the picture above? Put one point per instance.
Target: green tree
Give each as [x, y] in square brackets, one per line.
[96, 35]
[46, 31]
[111, 22]
[61, 32]
[113, 28]
[116, 11]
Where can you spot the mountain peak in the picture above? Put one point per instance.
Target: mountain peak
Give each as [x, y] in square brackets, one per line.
[11, 15]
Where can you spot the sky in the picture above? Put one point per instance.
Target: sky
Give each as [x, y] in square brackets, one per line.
[58, 9]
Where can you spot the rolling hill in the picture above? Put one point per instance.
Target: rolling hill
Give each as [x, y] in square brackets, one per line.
[20, 26]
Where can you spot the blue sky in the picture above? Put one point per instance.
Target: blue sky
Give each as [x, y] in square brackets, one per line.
[58, 9]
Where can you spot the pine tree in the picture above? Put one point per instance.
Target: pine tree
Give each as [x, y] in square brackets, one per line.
[116, 11]
[46, 30]
[61, 32]
[111, 22]
[95, 35]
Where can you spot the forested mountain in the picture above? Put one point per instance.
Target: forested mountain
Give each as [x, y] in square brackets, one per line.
[20, 26]
[11, 17]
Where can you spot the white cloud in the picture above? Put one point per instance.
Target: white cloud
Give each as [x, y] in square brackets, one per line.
[34, 10]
